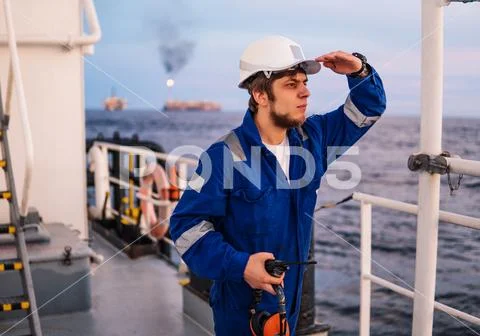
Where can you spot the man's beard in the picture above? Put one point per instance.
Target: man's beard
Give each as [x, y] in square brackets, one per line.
[284, 121]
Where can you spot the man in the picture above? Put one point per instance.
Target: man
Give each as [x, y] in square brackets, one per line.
[253, 195]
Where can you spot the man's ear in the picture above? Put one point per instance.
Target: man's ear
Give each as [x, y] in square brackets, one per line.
[260, 97]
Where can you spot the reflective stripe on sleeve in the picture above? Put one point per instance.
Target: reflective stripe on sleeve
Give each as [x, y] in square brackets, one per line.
[357, 117]
[192, 235]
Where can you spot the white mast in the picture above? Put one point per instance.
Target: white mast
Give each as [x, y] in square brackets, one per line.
[429, 184]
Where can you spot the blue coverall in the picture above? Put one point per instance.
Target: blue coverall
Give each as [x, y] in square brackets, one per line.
[235, 212]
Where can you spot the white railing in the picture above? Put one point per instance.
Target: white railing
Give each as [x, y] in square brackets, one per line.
[154, 201]
[144, 151]
[462, 166]
[366, 277]
[182, 162]
[16, 77]
[445, 216]
[98, 156]
[69, 41]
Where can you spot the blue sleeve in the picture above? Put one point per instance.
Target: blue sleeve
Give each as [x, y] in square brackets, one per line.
[195, 222]
[337, 130]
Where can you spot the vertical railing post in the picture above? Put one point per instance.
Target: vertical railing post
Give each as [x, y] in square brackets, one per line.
[429, 184]
[365, 266]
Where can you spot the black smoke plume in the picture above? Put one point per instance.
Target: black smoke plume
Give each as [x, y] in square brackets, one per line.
[175, 50]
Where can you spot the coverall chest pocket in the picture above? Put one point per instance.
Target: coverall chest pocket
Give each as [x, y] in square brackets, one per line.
[250, 208]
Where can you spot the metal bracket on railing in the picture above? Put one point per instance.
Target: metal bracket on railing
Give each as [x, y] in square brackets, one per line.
[434, 165]
[429, 163]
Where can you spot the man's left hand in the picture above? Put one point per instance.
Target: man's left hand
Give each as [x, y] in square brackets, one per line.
[340, 62]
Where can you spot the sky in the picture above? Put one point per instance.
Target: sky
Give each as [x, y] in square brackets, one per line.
[386, 31]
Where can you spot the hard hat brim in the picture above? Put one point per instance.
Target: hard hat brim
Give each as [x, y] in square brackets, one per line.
[310, 67]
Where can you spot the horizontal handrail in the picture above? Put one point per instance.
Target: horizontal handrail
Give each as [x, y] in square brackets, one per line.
[366, 251]
[445, 216]
[145, 198]
[69, 41]
[408, 293]
[93, 22]
[143, 151]
[116, 213]
[462, 166]
[22, 106]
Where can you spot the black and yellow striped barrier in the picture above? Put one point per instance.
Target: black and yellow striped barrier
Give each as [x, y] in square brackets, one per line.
[7, 229]
[21, 305]
[5, 195]
[11, 266]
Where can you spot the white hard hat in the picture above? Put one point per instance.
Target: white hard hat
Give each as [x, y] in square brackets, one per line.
[273, 53]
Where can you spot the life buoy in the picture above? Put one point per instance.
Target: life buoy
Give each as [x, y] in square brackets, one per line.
[157, 225]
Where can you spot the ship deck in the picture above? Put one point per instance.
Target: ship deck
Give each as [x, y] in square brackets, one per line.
[129, 297]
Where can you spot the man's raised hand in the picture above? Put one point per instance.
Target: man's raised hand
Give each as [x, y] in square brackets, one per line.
[340, 62]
